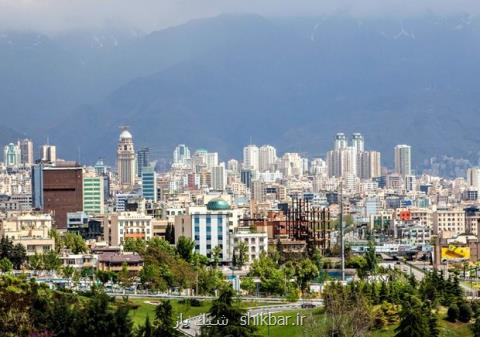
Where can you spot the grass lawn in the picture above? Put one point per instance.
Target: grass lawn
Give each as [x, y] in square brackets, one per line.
[139, 314]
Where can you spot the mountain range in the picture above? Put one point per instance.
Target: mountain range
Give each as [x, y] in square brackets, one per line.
[222, 82]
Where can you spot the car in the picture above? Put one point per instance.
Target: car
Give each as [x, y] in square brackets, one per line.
[186, 325]
[307, 306]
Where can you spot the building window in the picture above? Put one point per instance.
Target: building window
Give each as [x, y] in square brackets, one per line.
[209, 220]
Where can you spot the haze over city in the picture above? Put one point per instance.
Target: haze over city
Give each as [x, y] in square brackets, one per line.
[239, 168]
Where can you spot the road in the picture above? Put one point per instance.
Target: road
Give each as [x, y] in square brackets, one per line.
[195, 323]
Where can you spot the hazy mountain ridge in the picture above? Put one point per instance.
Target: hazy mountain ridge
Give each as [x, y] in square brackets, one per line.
[290, 82]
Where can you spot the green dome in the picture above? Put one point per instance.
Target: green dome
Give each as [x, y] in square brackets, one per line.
[218, 205]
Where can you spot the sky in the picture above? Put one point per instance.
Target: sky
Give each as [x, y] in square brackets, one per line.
[53, 16]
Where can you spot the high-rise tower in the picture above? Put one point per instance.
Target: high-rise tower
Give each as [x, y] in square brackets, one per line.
[267, 156]
[126, 160]
[358, 142]
[26, 151]
[403, 160]
[340, 141]
[250, 157]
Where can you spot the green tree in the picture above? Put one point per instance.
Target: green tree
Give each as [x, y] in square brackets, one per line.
[51, 260]
[371, 258]
[124, 276]
[465, 312]
[347, 313]
[145, 330]
[453, 312]
[185, 248]
[6, 265]
[224, 311]
[242, 257]
[247, 284]
[74, 242]
[305, 271]
[68, 271]
[413, 321]
[216, 256]
[18, 256]
[170, 234]
[135, 245]
[476, 327]
[6, 247]
[432, 320]
[58, 239]
[164, 324]
[360, 264]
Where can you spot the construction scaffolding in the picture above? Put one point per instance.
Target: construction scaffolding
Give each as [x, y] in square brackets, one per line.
[310, 224]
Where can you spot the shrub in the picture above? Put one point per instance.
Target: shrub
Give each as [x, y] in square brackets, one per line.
[465, 313]
[453, 313]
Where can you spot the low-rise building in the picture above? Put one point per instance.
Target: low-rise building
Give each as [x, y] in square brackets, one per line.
[209, 226]
[115, 262]
[79, 261]
[31, 229]
[257, 242]
[120, 226]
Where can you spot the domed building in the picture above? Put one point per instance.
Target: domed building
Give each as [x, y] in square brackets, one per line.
[218, 204]
[209, 226]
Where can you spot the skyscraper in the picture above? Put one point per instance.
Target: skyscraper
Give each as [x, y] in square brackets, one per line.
[267, 156]
[340, 141]
[26, 151]
[37, 186]
[250, 157]
[93, 193]
[142, 160]
[233, 165]
[181, 154]
[473, 177]
[149, 183]
[126, 160]
[219, 178]
[403, 160]
[49, 153]
[358, 142]
[212, 159]
[369, 165]
[375, 164]
[62, 191]
[11, 155]
[246, 177]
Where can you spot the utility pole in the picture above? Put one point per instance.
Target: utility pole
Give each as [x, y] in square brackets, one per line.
[342, 241]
